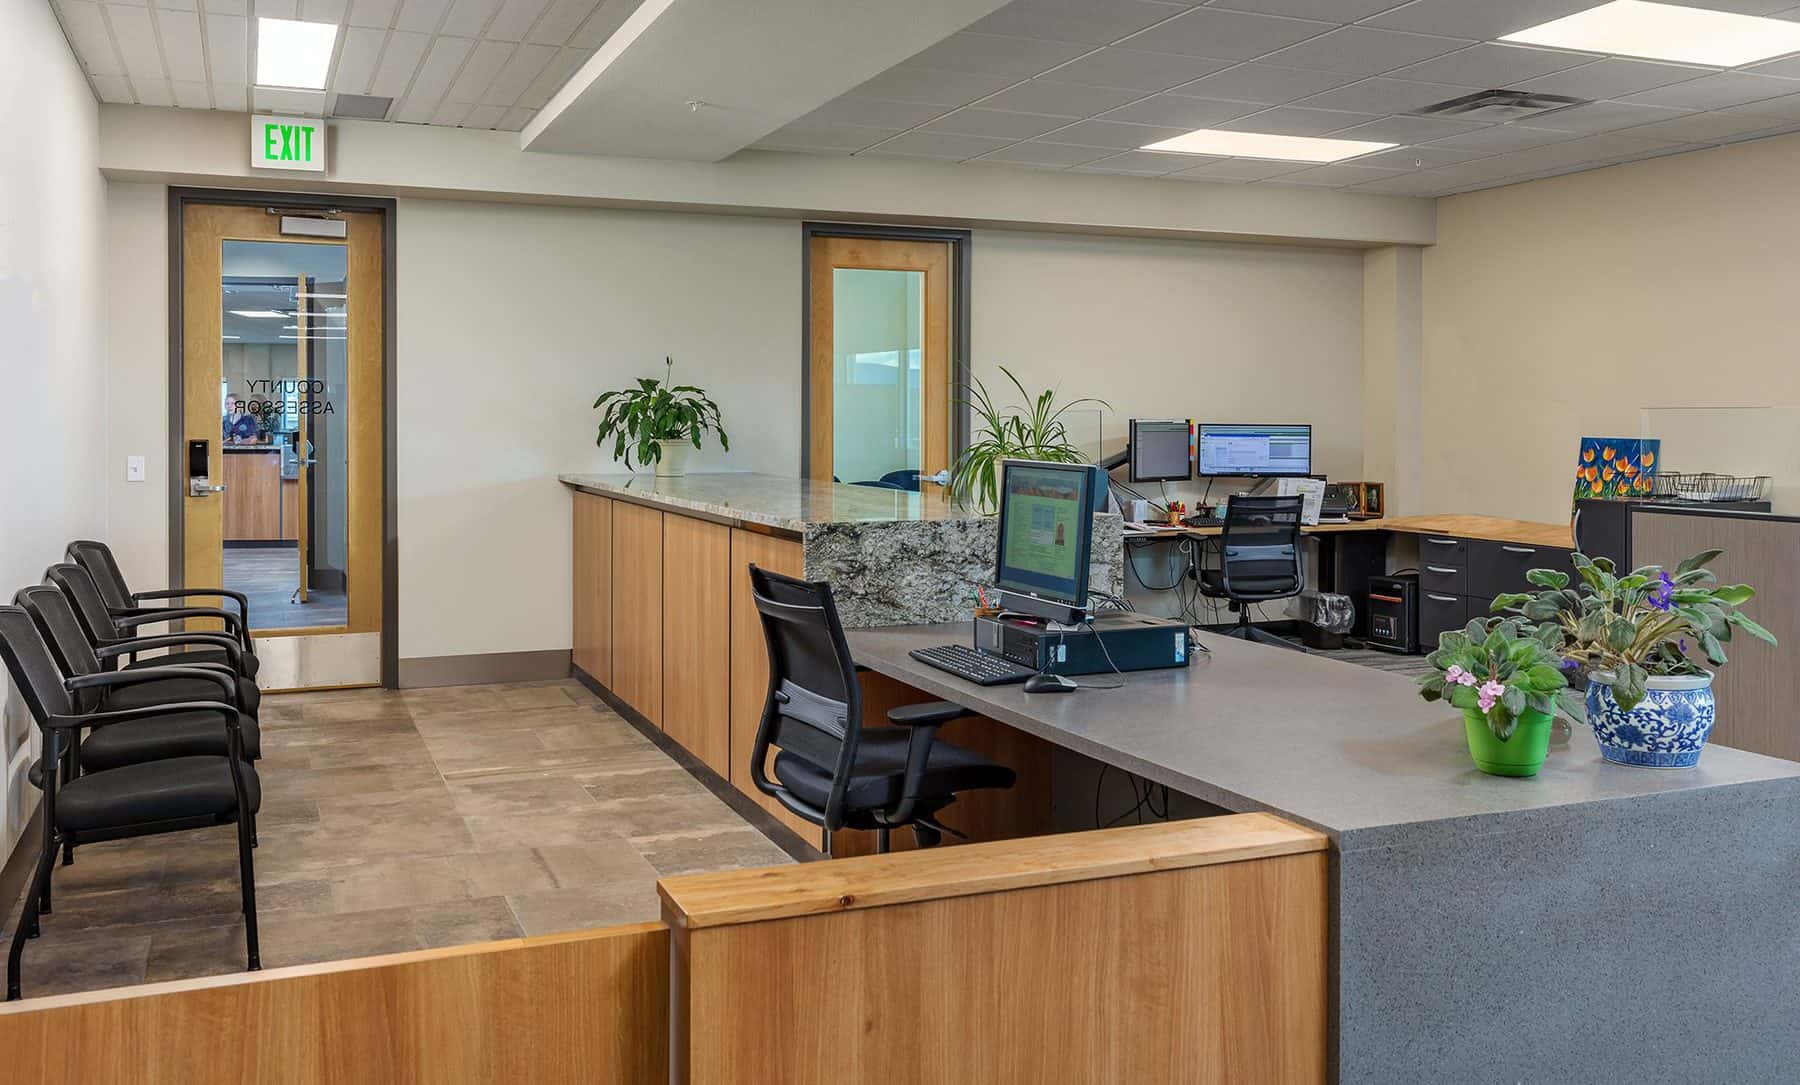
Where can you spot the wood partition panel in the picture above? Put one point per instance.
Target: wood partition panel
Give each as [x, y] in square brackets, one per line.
[589, 1006]
[593, 586]
[1184, 952]
[637, 608]
[696, 647]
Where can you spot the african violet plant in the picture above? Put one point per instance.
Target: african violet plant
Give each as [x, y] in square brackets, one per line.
[1646, 623]
[1502, 669]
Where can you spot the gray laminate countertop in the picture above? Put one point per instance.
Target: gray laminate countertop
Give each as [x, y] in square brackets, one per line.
[1346, 749]
[775, 501]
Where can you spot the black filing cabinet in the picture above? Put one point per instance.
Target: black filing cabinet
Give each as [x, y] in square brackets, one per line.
[1459, 578]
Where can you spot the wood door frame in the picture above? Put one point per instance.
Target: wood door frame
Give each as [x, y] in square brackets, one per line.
[961, 265]
[387, 209]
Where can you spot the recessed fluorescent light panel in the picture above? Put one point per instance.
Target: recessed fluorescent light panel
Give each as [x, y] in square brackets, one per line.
[261, 314]
[291, 53]
[1263, 145]
[1667, 32]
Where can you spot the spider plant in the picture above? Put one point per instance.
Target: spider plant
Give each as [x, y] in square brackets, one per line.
[1034, 430]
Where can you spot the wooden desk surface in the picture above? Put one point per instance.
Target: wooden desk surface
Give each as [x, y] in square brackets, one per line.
[1492, 528]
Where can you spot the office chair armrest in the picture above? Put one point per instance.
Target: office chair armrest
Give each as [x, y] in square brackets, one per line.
[918, 755]
[238, 597]
[113, 679]
[150, 712]
[233, 651]
[234, 625]
[928, 714]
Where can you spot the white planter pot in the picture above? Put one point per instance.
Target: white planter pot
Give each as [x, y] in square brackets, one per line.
[1668, 729]
[674, 458]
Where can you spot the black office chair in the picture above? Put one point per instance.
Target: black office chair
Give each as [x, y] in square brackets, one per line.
[828, 768]
[97, 559]
[1259, 560]
[152, 797]
[116, 637]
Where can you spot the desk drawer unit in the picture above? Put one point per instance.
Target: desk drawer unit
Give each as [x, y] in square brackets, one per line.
[1496, 568]
[1442, 578]
[1439, 613]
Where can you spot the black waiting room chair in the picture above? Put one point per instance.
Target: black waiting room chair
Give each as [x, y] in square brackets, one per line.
[151, 797]
[117, 637]
[828, 768]
[97, 559]
[1259, 560]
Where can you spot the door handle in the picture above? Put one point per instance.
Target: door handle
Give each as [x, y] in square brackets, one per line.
[942, 478]
[199, 487]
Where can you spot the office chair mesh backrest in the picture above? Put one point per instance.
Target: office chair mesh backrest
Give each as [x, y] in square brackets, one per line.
[33, 667]
[97, 559]
[813, 710]
[49, 608]
[84, 595]
[1260, 550]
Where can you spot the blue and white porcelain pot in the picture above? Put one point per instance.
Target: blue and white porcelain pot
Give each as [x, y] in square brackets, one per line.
[1667, 729]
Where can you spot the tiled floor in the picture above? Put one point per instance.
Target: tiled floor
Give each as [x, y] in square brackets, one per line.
[395, 821]
[268, 575]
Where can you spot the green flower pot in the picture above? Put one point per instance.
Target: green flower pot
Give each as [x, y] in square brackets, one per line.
[1521, 755]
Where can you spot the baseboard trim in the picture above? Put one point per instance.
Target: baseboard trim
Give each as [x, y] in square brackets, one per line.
[742, 805]
[423, 671]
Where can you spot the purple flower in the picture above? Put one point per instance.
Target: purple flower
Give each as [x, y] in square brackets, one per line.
[1570, 666]
[1663, 598]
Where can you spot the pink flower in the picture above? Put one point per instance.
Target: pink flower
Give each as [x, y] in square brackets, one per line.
[1459, 676]
[1490, 692]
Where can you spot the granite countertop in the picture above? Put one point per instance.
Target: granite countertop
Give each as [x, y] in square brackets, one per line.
[788, 504]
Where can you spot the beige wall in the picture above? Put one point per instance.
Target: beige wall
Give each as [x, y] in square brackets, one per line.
[53, 392]
[137, 364]
[1566, 307]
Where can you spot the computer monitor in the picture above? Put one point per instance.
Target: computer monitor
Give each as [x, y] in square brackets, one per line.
[1045, 538]
[1229, 451]
[1161, 449]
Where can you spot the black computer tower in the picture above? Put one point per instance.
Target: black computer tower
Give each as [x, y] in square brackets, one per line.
[1394, 613]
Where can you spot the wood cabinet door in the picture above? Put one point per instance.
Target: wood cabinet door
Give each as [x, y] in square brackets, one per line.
[696, 630]
[637, 608]
[593, 587]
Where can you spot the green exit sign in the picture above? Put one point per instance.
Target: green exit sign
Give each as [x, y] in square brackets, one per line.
[287, 143]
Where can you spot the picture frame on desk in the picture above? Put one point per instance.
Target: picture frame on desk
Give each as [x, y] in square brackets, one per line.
[1371, 501]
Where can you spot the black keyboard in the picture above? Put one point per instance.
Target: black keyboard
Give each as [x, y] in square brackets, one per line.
[972, 666]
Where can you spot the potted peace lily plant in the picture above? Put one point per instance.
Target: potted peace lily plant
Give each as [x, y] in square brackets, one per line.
[1642, 639]
[658, 421]
[1509, 682]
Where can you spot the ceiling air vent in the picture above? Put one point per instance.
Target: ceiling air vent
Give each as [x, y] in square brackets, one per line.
[365, 107]
[1499, 105]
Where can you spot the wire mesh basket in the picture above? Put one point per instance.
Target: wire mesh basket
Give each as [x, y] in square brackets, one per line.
[1708, 486]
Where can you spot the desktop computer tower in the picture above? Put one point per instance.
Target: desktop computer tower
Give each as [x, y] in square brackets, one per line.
[1121, 641]
[1394, 612]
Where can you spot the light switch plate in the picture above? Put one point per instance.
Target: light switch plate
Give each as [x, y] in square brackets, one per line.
[134, 469]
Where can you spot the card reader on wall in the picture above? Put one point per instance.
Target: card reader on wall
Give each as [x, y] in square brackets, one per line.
[1134, 642]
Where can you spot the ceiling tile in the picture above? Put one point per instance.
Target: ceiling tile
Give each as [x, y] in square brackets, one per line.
[1385, 96]
[560, 20]
[936, 145]
[1576, 152]
[1604, 117]
[1702, 127]
[1491, 67]
[1080, 21]
[1059, 99]
[1132, 69]
[450, 114]
[1362, 50]
[551, 79]
[1742, 7]
[442, 61]
[1181, 112]
[1124, 137]
[114, 89]
[137, 44]
[323, 11]
[1784, 108]
[1417, 158]
[234, 97]
[1224, 35]
[1339, 174]
[1504, 137]
[996, 55]
[1611, 78]
[526, 63]
[484, 116]
[284, 100]
[1716, 91]
[372, 13]
[227, 7]
[1402, 184]
[86, 27]
[602, 24]
[1041, 153]
[190, 94]
[1335, 11]
[175, 5]
[484, 63]
[467, 17]
[1483, 20]
[1237, 169]
[226, 45]
[515, 18]
[516, 119]
[1138, 164]
[356, 60]
[277, 9]
[1287, 120]
[855, 108]
[908, 83]
[398, 63]
[976, 121]
[1265, 84]
[420, 16]
[153, 92]
[1409, 129]
[844, 138]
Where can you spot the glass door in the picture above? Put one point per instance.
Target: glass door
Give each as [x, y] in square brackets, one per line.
[282, 368]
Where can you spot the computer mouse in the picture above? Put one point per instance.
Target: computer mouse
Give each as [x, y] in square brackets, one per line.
[1049, 683]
